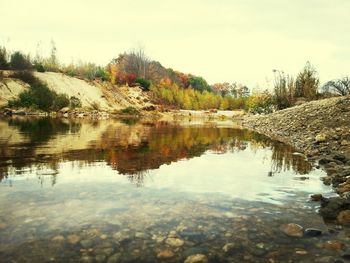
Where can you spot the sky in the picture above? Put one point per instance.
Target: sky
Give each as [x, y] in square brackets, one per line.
[222, 40]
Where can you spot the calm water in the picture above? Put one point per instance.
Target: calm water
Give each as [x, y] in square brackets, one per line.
[112, 191]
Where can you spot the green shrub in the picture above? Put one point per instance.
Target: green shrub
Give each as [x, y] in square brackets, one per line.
[40, 68]
[20, 62]
[130, 111]
[60, 101]
[145, 83]
[75, 102]
[26, 76]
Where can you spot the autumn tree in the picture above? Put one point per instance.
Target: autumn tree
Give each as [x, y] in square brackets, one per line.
[307, 82]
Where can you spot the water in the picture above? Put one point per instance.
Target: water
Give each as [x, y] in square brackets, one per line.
[114, 191]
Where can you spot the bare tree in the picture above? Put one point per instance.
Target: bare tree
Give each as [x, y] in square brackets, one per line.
[338, 86]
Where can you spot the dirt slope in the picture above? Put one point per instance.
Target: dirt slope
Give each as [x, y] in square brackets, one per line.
[91, 93]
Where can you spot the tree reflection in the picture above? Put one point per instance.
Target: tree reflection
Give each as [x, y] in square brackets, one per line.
[134, 148]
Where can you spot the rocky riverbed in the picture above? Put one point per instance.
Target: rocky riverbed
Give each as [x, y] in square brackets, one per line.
[320, 130]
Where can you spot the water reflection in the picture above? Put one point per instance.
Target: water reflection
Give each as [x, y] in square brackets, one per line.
[132, 149]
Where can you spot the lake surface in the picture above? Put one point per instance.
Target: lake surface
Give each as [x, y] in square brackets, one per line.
[133, 191]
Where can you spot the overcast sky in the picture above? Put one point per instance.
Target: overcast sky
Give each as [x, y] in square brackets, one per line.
[226, 40]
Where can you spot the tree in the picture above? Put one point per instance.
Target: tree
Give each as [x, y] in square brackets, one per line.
[307, 82]
[338, 86]
[199, 83]
[20, 62]
[3, 58]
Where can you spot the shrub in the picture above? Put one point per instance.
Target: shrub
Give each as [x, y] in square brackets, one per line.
[145, 84]
[75, 102]
[20, 62]
[260, 102]
[130, 111]
[39, 67]
[26, 76]
[60, 101]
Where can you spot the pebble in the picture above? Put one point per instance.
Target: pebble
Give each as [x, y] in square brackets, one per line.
[114, 258]
[292, 230]
[312, 232]
[100, 258]
[73, 239]
[229, 247]
[344, 217]
[316, 197]
[198, 258]
[333, 245]
[164, 254]
[174, 242]
[58, 238]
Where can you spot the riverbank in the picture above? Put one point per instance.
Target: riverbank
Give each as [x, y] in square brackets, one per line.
[320, 130]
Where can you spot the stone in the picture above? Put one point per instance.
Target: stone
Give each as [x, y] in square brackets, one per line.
[229, 247]
[312, 232]
[198, 258]
[345, 142]
[73, 239]
[292, 230]
[164, 254]
[87, 259]
[321, 137]
[114, 258]
[333, 245]
[58, 238]
[2, 226]
[316, 197]
[100, 258]
[301, 252]
[86, 243]
[330, 207]
[174, 242]
[346, 254]
[343, 217]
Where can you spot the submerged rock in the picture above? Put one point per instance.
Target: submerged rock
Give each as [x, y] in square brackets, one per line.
[331, 207]
[343, 217]
[73, 239]
[164, 254]
[312, 232]
[174, 242]
[198, 258]
[292, 230]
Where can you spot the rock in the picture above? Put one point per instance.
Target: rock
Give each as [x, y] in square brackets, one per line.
[174, 242]
[331, 207]
[2, 226]
[301, 252]
[164, 254]
[198, 258]
[343, 217]
[86, 243]
[321, 137]
[292, 230]
[100, 258]
[312, 232]
[345, 142]
[346, 254]
[333, 245]
[316, 197]
[58, 238]
[114, 258]
[73, 239]
[87, 259]
[228, 248]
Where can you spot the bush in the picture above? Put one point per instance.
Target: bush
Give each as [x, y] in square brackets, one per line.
[145, 84]
[75, 102]
[130, 111]
[60, 101]
[39, 96]
[260, 102]
[20, 62]
[40, 68]
[26, 76]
